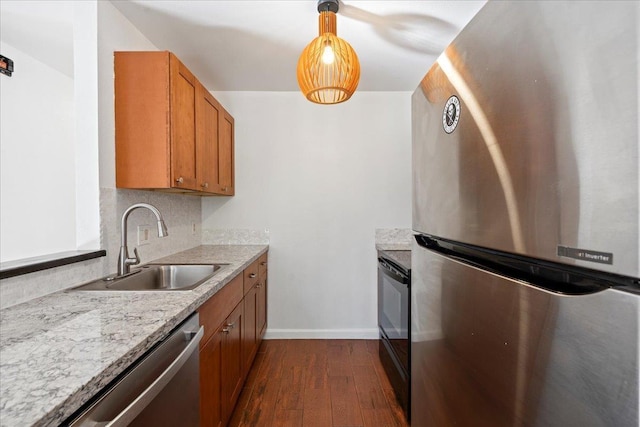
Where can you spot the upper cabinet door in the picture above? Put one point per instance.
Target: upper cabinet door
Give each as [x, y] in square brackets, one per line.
[171, 133]
[142, 104]
[207, 119]
[183, 126]
[227, 175]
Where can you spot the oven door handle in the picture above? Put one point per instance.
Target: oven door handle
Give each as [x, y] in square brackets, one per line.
[391, 272]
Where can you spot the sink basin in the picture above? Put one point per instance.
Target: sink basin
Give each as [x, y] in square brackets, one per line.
[156, 277]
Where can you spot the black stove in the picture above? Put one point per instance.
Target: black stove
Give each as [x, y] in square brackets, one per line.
[394, 320]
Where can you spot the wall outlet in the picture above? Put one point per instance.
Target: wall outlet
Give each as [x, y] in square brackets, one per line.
[144, 234]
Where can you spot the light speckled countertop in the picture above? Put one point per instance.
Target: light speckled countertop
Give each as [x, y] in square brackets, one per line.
[59, 350]
[394, 239]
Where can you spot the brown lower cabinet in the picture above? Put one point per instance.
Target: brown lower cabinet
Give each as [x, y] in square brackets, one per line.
[210, 382]
[261, 307]
[250, 333]
[234, 322]
[231, 364]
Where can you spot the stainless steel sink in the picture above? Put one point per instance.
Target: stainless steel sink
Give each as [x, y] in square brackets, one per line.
[156, 277]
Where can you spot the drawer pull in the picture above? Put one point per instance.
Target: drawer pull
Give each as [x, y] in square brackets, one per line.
[180, 180]
[263, 263]
[252, 275]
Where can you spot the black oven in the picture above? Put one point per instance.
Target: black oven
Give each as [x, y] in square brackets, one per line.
[394, 311]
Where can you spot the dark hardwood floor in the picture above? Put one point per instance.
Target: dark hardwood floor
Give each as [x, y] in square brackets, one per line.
[324, 383]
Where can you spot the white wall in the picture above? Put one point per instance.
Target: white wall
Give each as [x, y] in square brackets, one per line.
[321, 179]
[87, 164]
[105, 30]
[49, 118]
[37, 192]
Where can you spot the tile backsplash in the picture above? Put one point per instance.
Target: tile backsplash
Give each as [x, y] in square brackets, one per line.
[18, 289]
[235, 237]
[182, 215]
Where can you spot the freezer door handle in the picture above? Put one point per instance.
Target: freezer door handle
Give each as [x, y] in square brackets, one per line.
[547, 275]
[134, 409]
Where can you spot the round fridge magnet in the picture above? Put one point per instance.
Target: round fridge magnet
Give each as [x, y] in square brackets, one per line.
[451, 114]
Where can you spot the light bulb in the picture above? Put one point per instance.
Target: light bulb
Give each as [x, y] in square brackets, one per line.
[327, 55]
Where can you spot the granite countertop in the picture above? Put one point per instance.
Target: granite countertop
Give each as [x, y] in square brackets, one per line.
[398, 246]
[394, 239]
[59, 350]
[395, 244]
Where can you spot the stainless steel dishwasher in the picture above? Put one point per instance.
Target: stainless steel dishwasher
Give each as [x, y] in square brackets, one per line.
[160, 389]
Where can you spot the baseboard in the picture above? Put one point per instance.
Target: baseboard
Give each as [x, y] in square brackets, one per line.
[318, 334]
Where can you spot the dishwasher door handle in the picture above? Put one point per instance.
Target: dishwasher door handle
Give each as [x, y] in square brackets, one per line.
[142, 401]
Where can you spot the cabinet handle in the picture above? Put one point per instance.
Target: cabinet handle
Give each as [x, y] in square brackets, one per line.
[231, 325]
[252, 276]
[205, 185]
[225, 330]
[180, 180]
[263, 263]
[258, 285]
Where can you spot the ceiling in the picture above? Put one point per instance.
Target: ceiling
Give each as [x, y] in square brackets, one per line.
[52, 40]
[248, 45]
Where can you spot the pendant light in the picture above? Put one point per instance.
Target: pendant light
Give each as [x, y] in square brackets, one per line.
[328, 68]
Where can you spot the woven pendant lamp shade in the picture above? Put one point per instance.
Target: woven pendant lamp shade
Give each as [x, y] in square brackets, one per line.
[328, 68]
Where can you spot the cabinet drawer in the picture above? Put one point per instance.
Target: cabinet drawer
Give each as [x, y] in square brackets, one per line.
[262, 265]
[251, 275]
[217, 308]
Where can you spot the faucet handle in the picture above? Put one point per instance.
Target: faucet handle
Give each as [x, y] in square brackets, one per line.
[136, 258]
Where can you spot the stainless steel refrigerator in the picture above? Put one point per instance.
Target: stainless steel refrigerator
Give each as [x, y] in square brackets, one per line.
[525, 268]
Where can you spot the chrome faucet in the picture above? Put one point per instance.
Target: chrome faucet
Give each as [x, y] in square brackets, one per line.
[124, 262]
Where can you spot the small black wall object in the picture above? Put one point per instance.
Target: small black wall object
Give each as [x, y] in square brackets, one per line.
[6, 66]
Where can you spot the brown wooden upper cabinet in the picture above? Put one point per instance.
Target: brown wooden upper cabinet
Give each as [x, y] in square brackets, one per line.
[171, 133]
